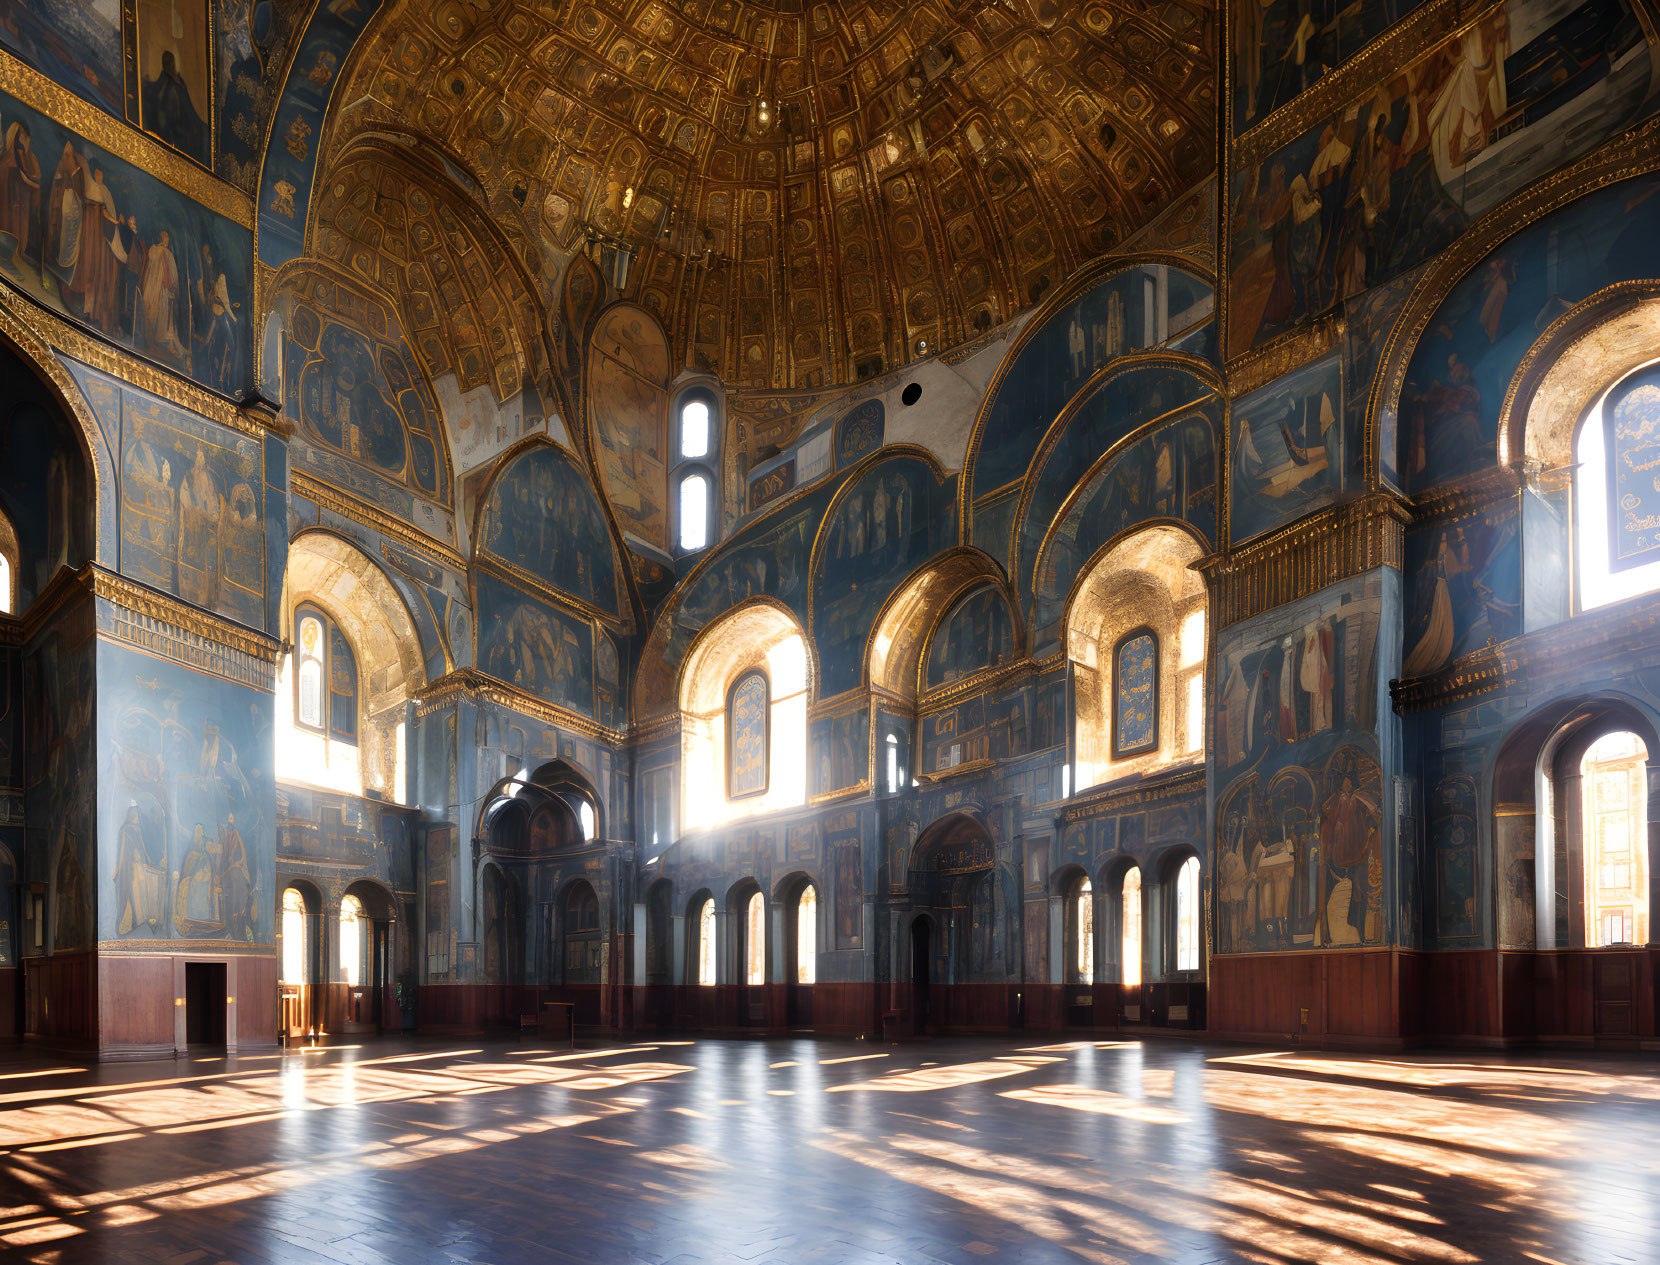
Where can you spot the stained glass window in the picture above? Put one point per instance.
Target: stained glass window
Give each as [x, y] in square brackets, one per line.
[747, 720]
[1135, 694]
[1632, 416]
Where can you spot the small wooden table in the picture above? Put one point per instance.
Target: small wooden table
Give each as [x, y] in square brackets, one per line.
[558, 1018]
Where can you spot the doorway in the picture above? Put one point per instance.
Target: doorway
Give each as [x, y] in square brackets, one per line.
[204, 1004]
[922, 967]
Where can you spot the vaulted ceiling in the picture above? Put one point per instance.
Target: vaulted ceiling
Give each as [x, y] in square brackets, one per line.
[925, 171]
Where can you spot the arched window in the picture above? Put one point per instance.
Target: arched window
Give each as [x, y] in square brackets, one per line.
[806, 936]
[1136, 642]
[694, 511]
[1188, 921]
[585, 816]
[352, 941]
[704, 941]
[1130, 924]
[1613, 775]
[893, 763]
[1081, 920]
[582, 938]
[1135, 693]
[755, 940]
[10, 559]
[1617, 503]
[293, 937]
[743, 704]
[317, 689]
[694, 428]
[747, 748]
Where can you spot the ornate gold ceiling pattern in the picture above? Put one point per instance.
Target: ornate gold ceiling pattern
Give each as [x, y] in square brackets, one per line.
[926, 171]
[469, 305]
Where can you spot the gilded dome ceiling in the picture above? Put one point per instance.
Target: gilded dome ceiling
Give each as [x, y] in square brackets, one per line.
[917, 174]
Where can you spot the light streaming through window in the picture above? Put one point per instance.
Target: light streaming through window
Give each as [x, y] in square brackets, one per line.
[694, 429]
[806, 936]
[293, 937]
[5, 585]
[1085, 916]
[755, 941]
[1612, 777]
[1187, 916]
[694, 512]
[893, 763]
[706, 944]
[585, 815]
[351, 940]
[1131, 919]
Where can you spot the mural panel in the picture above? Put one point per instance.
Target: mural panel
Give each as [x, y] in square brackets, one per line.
[1452, 832]
[192, 519]
[76, 43]
[1291, 449]
[534, 646]
[357, 395]
[890, 520]
[859, 433]
[1387, 182]
[1462, 367]
[1135, 695]
[1632, 417]
[847, 877]
[175, 91]
[976, 633]
[59, 685]
[186, 790]
[1466, 588]
[746, 728]
[543, 518]
[628, 374]
[122, 252]
[1128, 311]
[840, 747]
[1299, 816]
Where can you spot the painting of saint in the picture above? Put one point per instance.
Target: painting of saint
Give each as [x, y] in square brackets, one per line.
[71, 901]
[846, 867]
[217, 336]
[201, 506]
[175, 94]
[199, 903]
[19, 192]
[1349, 823]
[81, 241]
[141, 874]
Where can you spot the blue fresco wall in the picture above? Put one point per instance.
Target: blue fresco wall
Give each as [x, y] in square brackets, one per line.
[976, 633]
[550, 652]
[1303, 854]
[1388, 181]
[1462, 367]
[839, 748]
[543, 519]
[124, 254]
[186, 795]
[887, 522]
[47, 497]
[1294, 450]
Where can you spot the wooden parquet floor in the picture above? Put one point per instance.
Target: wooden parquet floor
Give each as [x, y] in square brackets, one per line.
[823, 1153]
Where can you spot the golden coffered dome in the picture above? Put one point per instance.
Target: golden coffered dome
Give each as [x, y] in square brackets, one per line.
[811, 193]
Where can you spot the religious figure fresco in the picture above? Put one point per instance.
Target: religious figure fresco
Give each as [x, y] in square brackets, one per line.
[534, 645]
[543, 518]
[1386, 182]
[847, 878]
[1452, 835]
[189, 838]
[118, 250]
[888, 521]
[1291, 449]
[975, 634]
[628, 373]
[175, 92]
[1298, 818]
[190, 520]
[1465, 589]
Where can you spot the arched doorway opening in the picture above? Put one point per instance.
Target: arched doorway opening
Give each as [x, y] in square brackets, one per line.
[797, 900]
[501, 930]
[974, 907]
[299, 949]
[364, 944]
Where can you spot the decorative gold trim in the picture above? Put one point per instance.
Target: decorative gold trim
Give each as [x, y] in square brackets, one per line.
[467, 682]
[967, 767]
[134, 371]
[1476, 673]
[861, 787]
[1633, 154]
[1279, 356]
[167, 609]
[502, 569]
[1408, 41]
[1480, 491]
[331, 498]
[1339, 541]
[204, 948]
[124, 142]
[1105, 801]
[945, 697]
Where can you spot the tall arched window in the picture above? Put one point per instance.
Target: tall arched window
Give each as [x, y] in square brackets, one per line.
[694, 428]
[1613, 778]
[806, 936]
[755, 940]
[1082, 919]
[1130, 923]
[1188, 921]
[1617, 503]
[704, 941]
[10, 559]
[293, 937]
[352, 940]
[1136, 642]
[318, 701]
[747, 747]
[695, 511]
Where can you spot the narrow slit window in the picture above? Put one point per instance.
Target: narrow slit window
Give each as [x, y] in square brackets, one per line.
[694, 512]
[694, 429]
